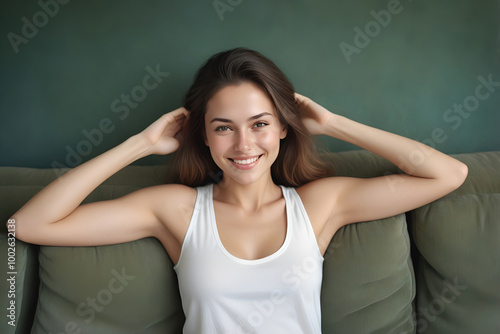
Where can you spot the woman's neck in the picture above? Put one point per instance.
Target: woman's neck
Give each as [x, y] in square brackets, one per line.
[249, 197]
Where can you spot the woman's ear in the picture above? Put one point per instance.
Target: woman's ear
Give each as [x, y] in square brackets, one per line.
[204, 138]
[283, 132]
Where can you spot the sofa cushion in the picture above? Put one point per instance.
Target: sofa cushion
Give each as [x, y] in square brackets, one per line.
[123, 288]
[458, 289]
[368, 282]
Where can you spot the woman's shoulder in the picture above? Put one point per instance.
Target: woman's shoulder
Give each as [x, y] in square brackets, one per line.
[174, 204]
[320, 194]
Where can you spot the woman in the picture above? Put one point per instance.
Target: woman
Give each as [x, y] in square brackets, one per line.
[254, 208]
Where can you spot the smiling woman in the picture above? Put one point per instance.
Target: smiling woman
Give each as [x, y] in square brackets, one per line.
[243, 80]
[247, 146]
[247, 247]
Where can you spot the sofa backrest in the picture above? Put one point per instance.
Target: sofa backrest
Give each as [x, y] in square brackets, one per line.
[458, 239]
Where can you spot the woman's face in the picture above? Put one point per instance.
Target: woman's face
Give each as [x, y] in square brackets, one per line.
[241, 126]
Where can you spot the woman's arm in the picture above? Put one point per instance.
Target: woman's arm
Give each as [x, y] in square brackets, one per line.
[54, 216]
[430, 174]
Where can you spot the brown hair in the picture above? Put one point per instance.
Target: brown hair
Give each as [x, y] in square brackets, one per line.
[298, 161]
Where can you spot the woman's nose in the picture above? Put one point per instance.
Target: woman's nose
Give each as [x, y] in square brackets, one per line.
[243, 141]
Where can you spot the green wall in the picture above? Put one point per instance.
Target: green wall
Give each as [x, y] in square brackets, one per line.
[71, 74]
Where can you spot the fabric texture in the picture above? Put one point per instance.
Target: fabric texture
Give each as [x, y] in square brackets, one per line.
[222, 293]
[118, 289]
[458, 278]
[368, 279]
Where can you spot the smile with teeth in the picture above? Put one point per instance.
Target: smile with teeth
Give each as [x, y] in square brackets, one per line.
[246, 162]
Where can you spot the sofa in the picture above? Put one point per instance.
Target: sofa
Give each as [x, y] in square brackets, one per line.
[435, 269]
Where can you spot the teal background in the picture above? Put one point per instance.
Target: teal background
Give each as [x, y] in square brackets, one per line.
[64, 79]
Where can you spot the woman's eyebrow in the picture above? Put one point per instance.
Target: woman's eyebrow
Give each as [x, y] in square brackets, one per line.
[229, 121]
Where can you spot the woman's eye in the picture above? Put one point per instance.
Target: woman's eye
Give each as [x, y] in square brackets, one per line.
[223, 128]
[219, 128]
[264, 124]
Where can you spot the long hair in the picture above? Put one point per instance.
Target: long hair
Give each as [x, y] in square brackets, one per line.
[298, 160]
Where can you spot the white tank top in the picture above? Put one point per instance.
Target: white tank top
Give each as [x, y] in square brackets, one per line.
[224, 294]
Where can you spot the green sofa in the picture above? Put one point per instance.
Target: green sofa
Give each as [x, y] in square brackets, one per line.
[435, 269]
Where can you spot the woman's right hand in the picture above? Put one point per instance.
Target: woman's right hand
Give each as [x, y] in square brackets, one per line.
[160, 136]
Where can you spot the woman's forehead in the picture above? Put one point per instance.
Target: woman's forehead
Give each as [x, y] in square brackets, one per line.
[239, 102]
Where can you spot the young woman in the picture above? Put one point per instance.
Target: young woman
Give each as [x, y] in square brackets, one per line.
[253, 209]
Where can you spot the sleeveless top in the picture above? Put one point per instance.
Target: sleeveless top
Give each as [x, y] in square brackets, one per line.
[224, 294]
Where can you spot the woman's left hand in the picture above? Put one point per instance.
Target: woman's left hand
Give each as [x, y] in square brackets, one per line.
[314, 117]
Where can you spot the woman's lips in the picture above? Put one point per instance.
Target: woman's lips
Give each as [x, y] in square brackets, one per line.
[245, 165]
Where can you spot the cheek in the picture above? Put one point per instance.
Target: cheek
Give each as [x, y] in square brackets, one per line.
[219, 145]
[269, 138]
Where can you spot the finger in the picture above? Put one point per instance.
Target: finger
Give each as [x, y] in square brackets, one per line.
[178, 111]
[175, 114]
[300, 98]
[185, 112]
[183, 116]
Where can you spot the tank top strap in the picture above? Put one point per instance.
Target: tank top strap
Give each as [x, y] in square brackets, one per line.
[302, 226]
[199, 233]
